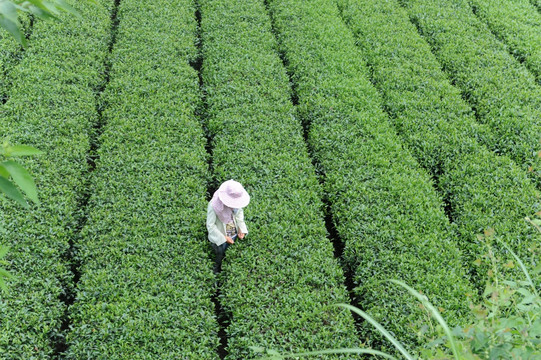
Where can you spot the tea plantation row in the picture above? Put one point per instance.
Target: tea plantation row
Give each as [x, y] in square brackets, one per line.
[482, 189]
[10, 53]
[146, 280]
[142, 256]
[518, 25]
[383, 204]
[502, 91]
[51, 106]
[280, 283]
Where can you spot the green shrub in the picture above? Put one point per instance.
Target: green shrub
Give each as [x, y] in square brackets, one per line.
[280, 281]
[537, 4]
[10, 55]
[518, 24]
[481, 188]
[52, 107]
[507, 323]
[502, 92]
[146, 279]
[383, 204]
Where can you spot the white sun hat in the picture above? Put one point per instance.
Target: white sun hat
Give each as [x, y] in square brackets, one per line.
[232, 194]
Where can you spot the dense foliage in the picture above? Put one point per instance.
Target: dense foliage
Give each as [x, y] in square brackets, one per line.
[502, 91]
[482, 189]
[52, 107]
[146, 280]
[13, 11]
[518, 25]
[409, 123]
[506, 322]
[10, 54]
[281, 281]
[383, 204]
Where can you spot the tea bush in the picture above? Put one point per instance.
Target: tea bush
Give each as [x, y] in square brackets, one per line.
[146, 280]
[383, 204]
[506, 326]
[518, 25]
[52, 107]
[280, 282]
[10, 53]
[482, 189]
[503, 93]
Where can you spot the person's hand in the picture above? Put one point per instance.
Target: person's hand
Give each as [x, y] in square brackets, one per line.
[229, 240]
[241, 235]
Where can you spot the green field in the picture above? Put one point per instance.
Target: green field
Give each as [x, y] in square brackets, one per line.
[377, 139]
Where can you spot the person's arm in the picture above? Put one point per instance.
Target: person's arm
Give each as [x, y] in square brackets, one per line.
[215, 235]
[241, 225]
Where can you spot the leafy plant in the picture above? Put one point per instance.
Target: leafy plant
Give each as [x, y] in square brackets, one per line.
[282, 278]
[503, 92]
[148, 295]
[4, 274]
[13, 177]
[51, 105]
[481, 188]
[42, 9]
[383, 204]
[507, 325]
[12, 174]
[518, 24]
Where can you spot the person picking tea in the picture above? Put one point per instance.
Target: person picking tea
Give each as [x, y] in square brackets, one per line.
[225, 218]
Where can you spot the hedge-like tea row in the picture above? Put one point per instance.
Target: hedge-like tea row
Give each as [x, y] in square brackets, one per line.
[52, 107]
[501, 90]
[10, 53]
[146, 280]
[383, 204]
[281, 281]
[518, 24]
[441, 130]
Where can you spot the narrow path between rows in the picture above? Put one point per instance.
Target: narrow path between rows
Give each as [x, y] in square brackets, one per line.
[333, 236]
[221, 316]
[71, 256]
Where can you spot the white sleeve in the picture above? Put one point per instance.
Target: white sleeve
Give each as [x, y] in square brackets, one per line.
[215, 236]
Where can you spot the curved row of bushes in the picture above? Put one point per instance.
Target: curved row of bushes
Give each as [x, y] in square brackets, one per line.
[280, 283]
[52, 107]
[518, 24]
[383, 204]
[146, 280]
[502, 91]
[482, 189]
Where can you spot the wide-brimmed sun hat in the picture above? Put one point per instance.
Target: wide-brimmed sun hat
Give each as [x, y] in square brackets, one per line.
[232, 194]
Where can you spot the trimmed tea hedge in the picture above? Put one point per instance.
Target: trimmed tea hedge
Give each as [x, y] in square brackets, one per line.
[52, 107]
[383, 204]
[146, 280]
[441, 130]
[537, 4]
[503, 93]
[518, 24]
[10, 53]
[280, 283]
